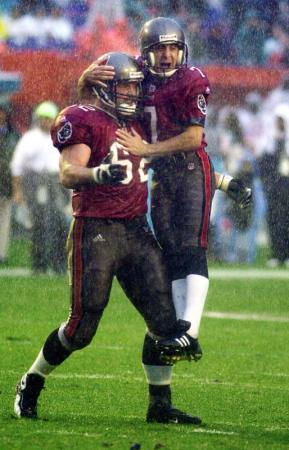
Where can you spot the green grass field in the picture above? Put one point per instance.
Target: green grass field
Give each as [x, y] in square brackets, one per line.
[98, 398]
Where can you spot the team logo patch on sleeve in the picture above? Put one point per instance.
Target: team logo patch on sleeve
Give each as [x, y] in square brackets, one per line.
[65, 132]
[201, 103]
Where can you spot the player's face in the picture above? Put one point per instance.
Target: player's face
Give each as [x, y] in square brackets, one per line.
[125, 89]
[166, 57]
[127, 94]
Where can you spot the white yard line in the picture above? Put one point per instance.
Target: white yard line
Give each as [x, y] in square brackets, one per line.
[94, 435]
[96, 376]
[129, 378]
[191, 430]
[255, 425]
[67, 433]
[229, 274]
[15, 272]
[246, 316]
[267, 374]
[206, 431]
[223, 274]
[229, 384]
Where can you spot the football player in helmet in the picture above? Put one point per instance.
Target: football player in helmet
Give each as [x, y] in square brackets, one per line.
[109, 238]
[184, 181]
[122, 94]
[163, 46]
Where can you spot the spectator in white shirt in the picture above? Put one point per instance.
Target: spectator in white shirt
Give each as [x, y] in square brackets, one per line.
[35, 167]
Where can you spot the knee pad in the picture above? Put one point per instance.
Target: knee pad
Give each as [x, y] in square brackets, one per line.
[190, 261]
[84, 332]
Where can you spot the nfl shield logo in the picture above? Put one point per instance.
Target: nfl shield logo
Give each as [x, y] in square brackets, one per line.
[152, 88]
[191, 166]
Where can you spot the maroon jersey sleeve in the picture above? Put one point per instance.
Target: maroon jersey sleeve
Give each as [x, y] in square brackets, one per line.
[191, 101]
[71, 127]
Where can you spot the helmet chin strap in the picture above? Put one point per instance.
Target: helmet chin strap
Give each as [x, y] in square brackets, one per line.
[163, 74]
[123, 109]
[126, 109]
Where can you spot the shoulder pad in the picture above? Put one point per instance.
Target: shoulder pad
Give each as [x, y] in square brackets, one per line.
[199, 78]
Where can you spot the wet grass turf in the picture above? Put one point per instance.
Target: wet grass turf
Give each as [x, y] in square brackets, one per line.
[98, 398]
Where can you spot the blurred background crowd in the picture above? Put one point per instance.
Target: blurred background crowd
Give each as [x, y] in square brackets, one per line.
[247, 132]
[218, 31]
[251, 142]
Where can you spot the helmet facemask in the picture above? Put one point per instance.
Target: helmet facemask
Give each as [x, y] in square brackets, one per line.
[161, 71]
[125, 106]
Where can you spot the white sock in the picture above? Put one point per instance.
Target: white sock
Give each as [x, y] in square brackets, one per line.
[158, 375]
[179, 288]
[41, 366]
[197, 289]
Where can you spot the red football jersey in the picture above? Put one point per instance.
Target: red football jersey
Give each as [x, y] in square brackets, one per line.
[174, 103]
[84, 124]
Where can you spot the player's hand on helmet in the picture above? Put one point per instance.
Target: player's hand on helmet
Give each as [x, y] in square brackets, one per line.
[240, 193]
[109, 173]
[95, 75]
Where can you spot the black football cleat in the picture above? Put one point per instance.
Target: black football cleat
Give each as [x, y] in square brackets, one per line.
[179, 348]
[165, 413]
[27, 393]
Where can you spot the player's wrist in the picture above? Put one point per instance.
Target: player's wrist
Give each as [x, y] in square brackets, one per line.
[97, 175]
[223, 182]
[108, 173]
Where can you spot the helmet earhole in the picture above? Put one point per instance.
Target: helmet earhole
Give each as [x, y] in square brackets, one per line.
[180, 57]
[151, 58]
